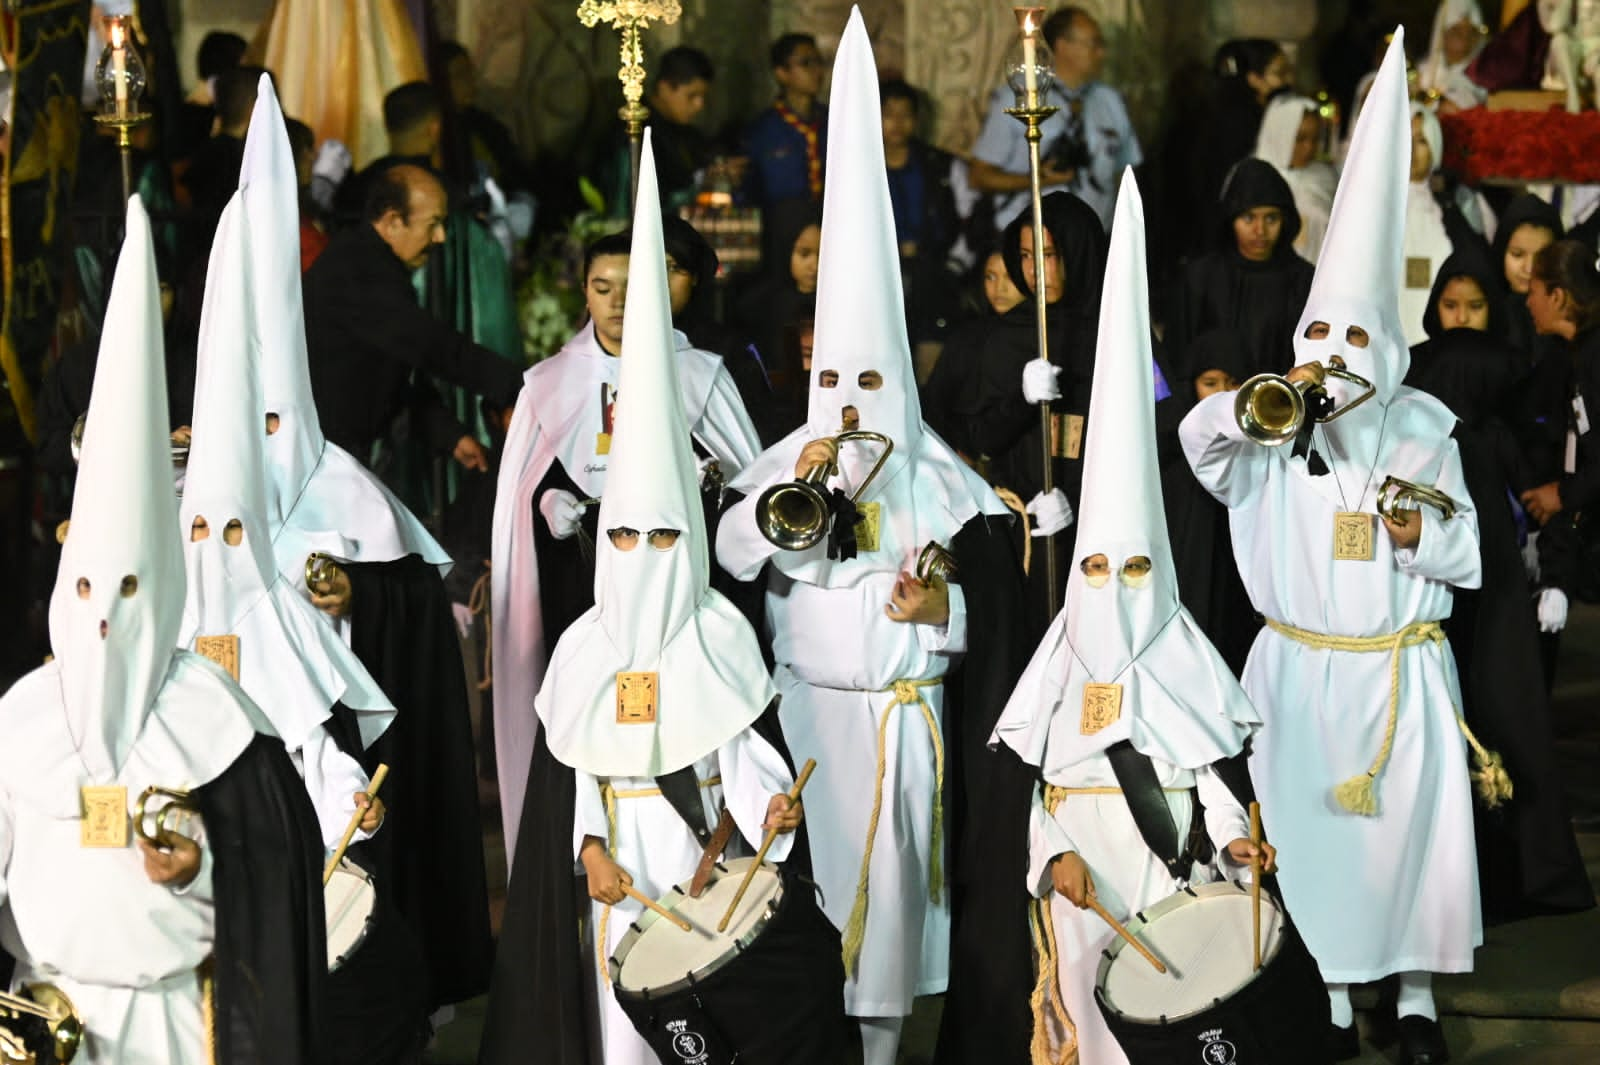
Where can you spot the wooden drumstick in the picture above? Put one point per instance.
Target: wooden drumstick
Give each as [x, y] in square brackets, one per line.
[651, 904]
[1255, 881]
[772, 834]
[355, 823]
[1120, 929]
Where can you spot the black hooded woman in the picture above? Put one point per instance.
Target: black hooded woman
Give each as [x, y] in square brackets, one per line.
[777, 311]
[1250, 281]
[1528, 225]
[1528, 860]
[1006, 431]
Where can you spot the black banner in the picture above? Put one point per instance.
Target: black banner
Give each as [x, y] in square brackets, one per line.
[45, 43]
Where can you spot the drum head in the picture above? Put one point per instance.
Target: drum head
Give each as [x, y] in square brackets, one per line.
[349, 900]
[1203, 936]
[658, 956]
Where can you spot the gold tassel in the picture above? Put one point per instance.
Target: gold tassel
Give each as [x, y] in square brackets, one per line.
[1489, 778]
[1357, 796]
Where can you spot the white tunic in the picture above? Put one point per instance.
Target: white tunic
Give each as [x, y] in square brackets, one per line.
[1127, 876]
[1397, 891]
[657, 850]
[838, 656]
[125, 950]
[559, 417]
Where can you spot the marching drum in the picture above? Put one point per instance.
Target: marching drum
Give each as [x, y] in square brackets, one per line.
[768, 990]
[349, 900]
[1212, 1007]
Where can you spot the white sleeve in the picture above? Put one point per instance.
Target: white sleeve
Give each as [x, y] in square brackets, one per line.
[588, 813]
[1227, 463]
[1226, 820]
[201, 888]
[725, 427]
[951, 637]
[741, 549]
[752, 773]
[7, 831]
[332, 780]
[1046, 840]
[1448, 549]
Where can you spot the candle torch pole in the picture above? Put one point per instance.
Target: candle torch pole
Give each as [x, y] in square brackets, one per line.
[1031, 111]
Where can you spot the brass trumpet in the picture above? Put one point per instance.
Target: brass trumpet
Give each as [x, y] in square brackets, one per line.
[935, 562]
[1394, 492]
[319, 568]
[794, 515]
[39, 1026]
[178, 806]
[1272, 410]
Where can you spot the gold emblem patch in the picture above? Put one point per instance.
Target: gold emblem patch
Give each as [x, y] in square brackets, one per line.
[223, 650]
[1102, 706]
[105, 816]
[636, 698]
[867, 526]
[1352, 536]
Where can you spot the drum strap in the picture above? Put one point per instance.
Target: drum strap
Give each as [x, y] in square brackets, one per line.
[681, 788]
[1147, 801]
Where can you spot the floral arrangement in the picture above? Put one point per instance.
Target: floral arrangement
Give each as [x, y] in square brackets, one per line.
[550, 305]
[1554, 145]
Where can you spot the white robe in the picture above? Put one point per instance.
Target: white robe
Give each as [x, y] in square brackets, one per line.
[1397, 891]
[837, 654]
[658, 851]
[558, 417]
[125, 950]
[1127, 876]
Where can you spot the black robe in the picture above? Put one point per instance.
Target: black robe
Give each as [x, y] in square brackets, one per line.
[1528, 860]
[986, 1017]
[270, 946]
[430, 851]
[540, 1002]
[1007, 429]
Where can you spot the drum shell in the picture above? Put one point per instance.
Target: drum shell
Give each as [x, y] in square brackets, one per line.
[1280, 1017]
[780, 1002]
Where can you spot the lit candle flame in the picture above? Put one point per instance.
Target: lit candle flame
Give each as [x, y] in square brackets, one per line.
[116, 33]
[1027, 25]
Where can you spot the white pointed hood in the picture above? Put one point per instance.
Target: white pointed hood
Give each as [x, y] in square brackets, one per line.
[293, 665]
[118, 596]
[860, 329]
[655, 611]
[1359, 272]
[1179, 700]
[319, 498]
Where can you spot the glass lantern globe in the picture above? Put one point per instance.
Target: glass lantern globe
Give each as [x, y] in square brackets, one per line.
[1017, 77]
[128, 73]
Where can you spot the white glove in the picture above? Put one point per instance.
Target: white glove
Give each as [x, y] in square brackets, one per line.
[333, 162]
[1552, 610]
[1051, 512]
[562, 513]
[1039, 384]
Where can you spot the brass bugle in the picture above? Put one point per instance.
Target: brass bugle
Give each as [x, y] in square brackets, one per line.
[1271, 409]
[1395, 492]
[320, 567]
[178, 803]
[935, 562]
[794, 515]
[48, 1029]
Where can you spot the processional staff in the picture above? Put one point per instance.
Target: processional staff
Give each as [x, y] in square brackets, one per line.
[630, 18]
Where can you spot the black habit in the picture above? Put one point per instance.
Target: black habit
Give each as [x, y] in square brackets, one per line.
[371, 348]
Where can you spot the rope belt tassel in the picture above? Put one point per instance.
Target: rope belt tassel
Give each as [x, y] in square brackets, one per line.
[906, 693]
[1358, 794]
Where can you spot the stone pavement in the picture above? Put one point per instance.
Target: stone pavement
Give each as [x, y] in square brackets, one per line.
[1535, 997]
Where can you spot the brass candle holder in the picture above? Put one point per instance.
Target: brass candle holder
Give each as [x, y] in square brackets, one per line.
[120, 77]
[1030, 81]
[630, 18]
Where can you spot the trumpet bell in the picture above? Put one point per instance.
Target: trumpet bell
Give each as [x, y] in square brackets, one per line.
[793, 515]
[1269, 409]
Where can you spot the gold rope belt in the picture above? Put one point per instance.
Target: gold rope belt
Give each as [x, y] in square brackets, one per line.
[208, 1006]
[906, 693]
[609, 795]
[1358, 794]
